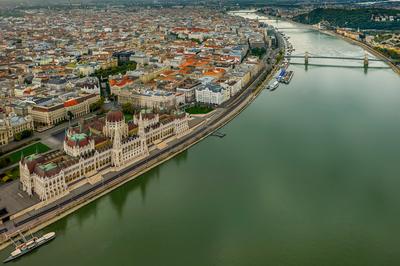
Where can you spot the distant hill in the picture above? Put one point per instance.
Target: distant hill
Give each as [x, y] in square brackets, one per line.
[352, 18]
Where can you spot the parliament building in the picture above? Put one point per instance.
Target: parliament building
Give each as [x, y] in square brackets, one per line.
[97, 146]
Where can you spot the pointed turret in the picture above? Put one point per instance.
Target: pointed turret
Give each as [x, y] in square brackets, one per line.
[116, 150]
[141, 132]
[117, 139]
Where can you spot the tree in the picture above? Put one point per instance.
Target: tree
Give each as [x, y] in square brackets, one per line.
[279, 56]
[97, 105]
[17, 136]
[196, 40]
[122, 68]
[26, 133]
[113, 97]
[5, 161]
[258, 51]
[127, 108]
[23, 134]
[350, 18]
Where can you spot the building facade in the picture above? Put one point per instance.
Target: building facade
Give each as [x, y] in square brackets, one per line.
[51, 115]
[148, 99]
[13, 124]
[212, 94]
[86, 154]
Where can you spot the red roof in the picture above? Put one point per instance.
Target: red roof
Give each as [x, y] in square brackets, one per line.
[79, 143]
[115, 116]
[120, 83]
[71, 102]
[198, 30]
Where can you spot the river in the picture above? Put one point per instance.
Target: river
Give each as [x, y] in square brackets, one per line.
[307, 175]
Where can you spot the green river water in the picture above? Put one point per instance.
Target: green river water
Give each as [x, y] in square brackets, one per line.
[307, 175]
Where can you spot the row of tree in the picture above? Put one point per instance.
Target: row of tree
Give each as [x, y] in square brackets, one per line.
[122, 68]
[389, 53]
[23, 134]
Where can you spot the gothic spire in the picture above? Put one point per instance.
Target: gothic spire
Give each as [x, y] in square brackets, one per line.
[117, 139]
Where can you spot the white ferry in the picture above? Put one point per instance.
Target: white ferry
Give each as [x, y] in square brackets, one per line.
[28, 245]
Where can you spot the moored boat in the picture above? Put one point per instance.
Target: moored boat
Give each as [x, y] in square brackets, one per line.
[28, 245]
[282, 73]
[273, 86]
[288, 77]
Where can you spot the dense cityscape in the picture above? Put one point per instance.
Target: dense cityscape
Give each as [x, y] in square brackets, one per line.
[114, 91]
[95, 95]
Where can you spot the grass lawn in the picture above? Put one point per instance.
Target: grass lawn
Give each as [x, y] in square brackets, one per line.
[128, 117]
[31, 149]
[13, 173]
[199, 109]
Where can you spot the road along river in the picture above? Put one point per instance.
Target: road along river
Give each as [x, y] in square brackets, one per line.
[306, 175]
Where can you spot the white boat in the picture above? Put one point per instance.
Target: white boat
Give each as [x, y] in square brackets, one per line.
[28, 245]
[273, 86]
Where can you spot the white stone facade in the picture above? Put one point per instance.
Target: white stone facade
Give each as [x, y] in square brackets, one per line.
[212, 94]
[84, 155]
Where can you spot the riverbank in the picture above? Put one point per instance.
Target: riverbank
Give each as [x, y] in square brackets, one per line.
[303, 176]
[218, 120]
[370, 49]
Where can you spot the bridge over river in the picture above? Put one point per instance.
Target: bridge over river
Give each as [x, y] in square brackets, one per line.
[366, 59]
[306, 175]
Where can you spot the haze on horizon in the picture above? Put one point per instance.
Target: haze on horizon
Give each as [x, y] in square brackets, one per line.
[17, 3]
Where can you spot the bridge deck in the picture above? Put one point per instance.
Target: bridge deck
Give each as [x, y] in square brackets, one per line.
[290, 28]
[334, 57]
[341, 66]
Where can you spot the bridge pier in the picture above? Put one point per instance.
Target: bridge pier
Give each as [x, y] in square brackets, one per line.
[306, 58]
[366, 61]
